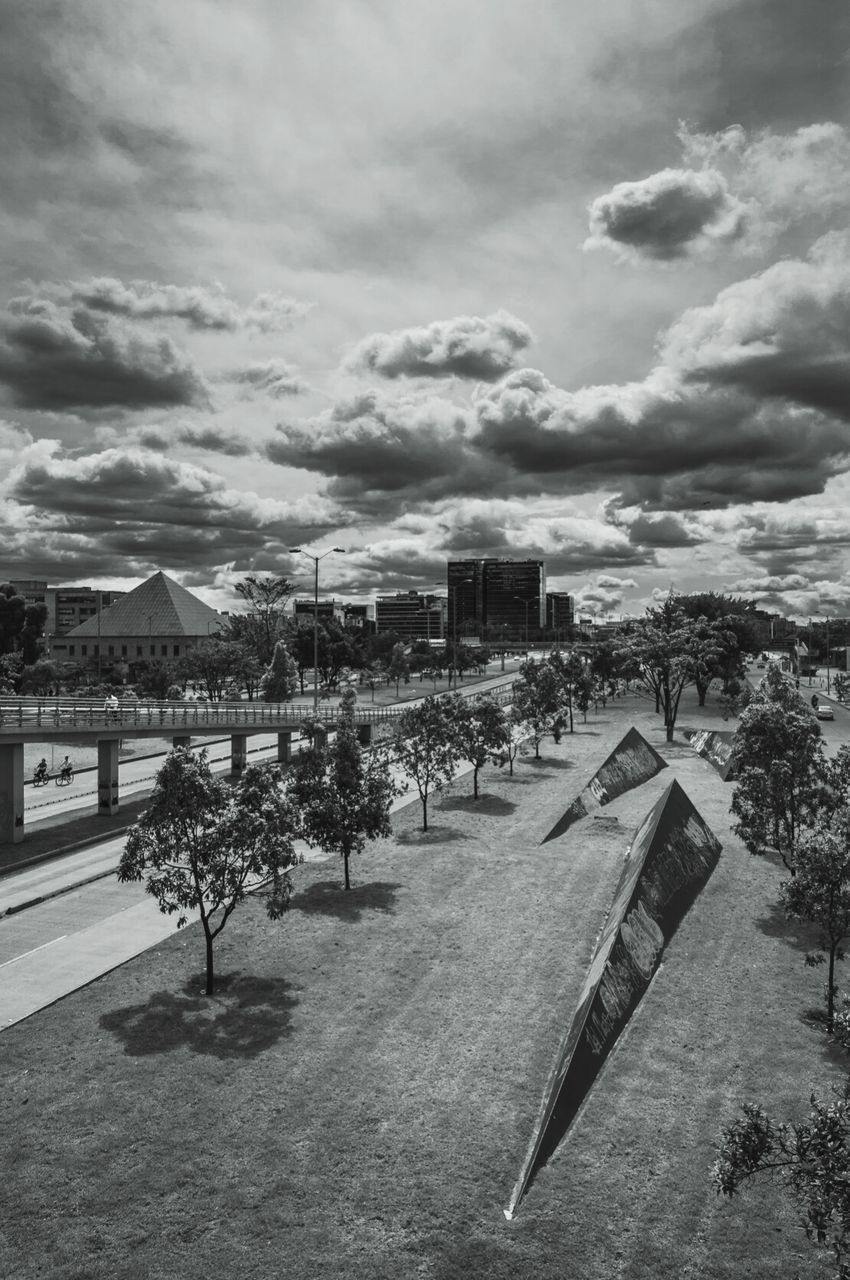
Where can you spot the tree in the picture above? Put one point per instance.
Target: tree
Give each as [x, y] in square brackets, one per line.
[736, 635]
[202, 846]
[540, 700]
[154, 676]
[21, 624]
[265, 623]
[670, 651]
[480, 729]
[343, 794]
[779, 766]
[373, 676]
[513, 746]
[399, 668]
[811, 1159]
[819, 892]
[281, 677]
[425, 748]
[841, 685]
[214, 665]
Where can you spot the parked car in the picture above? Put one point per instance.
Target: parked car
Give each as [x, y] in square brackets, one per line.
[824, 713]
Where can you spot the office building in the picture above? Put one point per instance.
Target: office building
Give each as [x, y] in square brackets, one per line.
[304, 612]
[560, 614]
[67, 607]
[411, 615]
[491, 597]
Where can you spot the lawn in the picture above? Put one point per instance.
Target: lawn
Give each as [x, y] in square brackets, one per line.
[358, 1097]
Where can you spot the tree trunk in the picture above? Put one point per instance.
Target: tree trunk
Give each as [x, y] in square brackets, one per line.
[424, 813]
[830, 990]
[209, 959]
[702, 690]
[345, 864]
[475, 782]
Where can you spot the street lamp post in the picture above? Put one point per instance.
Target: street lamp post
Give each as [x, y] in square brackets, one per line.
[463, 582]
[528, 604]
[295, 551]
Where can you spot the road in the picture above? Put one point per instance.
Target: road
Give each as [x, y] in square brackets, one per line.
[66, 921]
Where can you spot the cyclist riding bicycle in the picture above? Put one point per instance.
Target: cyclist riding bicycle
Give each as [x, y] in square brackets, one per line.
[40, 773]
[66, 768]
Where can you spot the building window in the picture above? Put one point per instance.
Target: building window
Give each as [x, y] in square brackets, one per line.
[84, 649]
[138, 651]
[176, 651]
[71, 650]
[163, 650]
[111, 651]
[97, 651]
[153, 650]
[123, 651]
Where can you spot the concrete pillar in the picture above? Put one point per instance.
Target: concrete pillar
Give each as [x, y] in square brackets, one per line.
[107, 776]
[238, 753]
[284, 748]
[181, 740]
[321, 737]
[364, 734]
[11, 792]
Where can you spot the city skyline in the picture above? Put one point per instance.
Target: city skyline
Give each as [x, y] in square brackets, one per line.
[430, 284]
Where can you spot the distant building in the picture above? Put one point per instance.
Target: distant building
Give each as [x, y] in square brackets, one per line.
[411, 615]
[32, 589]
[560, 613]
[772, 628]
[304, 611]
[493, 595]
[158, 619]
[67, 607]
[359, 615]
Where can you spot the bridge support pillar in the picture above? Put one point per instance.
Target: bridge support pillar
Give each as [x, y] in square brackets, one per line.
[364, 734]
[107, 776]
[11, 792]
[181, 740]
[284, 748]
[238, 753]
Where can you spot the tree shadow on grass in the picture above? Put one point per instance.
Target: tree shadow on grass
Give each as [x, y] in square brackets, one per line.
[329, 898]
[434, 835]
[545, 762]
[245, 1016]
[484, 804]
[775, 924]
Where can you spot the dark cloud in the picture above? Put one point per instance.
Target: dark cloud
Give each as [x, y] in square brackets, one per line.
[211, 439]
[200, 307]
[667, 214]
[55, 358]
[663, 531]
[464, 347]
[272, 378]
[138, 507]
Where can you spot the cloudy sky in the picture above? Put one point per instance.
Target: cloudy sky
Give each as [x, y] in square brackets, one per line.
[424, 281]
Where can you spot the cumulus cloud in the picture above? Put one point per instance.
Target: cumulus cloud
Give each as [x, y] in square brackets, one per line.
[55, 358]
[667, 215]
[272, 378]
[784, 332]
[134, 510]
[210, 439]
[464, 347]
[200, 307]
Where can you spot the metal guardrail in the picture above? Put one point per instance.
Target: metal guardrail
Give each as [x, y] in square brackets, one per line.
[82, 714]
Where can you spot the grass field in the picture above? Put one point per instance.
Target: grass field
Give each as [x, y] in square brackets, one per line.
[358, 1097]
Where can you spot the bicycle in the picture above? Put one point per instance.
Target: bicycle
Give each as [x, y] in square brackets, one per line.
[64, 777]
[40, 779]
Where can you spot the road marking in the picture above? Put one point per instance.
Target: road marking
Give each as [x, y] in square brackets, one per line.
[24, 954]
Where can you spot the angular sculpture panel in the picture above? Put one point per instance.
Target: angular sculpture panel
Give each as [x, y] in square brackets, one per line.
[715, 746]
[670, 858]
[632, 762]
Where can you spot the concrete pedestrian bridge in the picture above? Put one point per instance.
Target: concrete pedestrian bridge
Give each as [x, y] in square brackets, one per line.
[58, 719]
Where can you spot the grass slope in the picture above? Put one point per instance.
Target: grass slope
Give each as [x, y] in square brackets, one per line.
[357, 1099]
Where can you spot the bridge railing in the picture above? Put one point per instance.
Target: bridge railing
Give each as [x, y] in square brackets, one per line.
[174, 716]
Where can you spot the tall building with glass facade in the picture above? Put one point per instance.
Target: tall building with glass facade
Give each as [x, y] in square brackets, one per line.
[490, 596]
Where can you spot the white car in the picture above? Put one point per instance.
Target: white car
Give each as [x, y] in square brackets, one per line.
[824, 713]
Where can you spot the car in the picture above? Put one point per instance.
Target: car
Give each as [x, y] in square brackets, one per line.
[824, 713]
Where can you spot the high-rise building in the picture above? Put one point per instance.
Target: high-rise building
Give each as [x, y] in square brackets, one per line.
[494, 594]
[411, 615]
[304, 611]
[560, 613]
[67, 607]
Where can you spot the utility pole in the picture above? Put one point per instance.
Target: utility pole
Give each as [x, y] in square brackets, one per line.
[298, 551]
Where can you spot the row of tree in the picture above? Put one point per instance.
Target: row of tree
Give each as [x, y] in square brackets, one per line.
[793, 802]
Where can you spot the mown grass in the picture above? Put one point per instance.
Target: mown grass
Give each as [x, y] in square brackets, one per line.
[357, 1098]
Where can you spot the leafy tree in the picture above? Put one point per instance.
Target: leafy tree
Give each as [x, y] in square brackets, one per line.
[202, 846]
[841, 684]
[265, 622]
[425, 747]
[39, 677]
[541, 700]
[154, 676]
[514, 743]
[214, 665]
[281, 677]
[343, 794]
[374, 675]
[480, 729]
[811, 1159]
[399, 668]
[780, 768]
[819, 892]
[21, 624]
[736, 635]
[670, 651]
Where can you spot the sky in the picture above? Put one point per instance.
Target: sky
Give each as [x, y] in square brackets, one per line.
[423, 282]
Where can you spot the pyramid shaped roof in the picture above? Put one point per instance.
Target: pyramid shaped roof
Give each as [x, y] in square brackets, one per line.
[158, 607]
